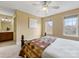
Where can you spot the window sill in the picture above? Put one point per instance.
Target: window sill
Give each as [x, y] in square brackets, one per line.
[71, 35]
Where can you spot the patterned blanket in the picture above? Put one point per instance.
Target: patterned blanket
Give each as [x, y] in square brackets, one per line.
[34, 48]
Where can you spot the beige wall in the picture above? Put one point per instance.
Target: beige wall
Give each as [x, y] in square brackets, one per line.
[21, 22]
[58, 23]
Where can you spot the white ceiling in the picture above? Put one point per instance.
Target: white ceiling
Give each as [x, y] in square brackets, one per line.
[27, 6]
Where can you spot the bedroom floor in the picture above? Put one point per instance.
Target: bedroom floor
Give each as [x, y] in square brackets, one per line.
[11, 51]
[7, 43]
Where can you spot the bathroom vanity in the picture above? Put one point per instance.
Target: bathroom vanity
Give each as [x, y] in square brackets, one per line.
[6, 36]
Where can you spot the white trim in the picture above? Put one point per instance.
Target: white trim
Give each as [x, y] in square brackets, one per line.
[70, 35]
[77, 26]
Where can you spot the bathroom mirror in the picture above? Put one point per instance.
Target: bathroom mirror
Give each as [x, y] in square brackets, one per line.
[7, 25]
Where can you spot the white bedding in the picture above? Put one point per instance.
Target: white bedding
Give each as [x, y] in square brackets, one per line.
[62, 48]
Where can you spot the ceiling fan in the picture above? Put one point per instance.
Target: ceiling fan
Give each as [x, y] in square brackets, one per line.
[48, 4]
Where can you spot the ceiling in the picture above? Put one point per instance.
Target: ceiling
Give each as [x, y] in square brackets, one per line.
[28, 6]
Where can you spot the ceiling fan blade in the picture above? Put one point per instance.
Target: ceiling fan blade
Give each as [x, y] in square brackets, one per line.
[46, 3]
[42, 3]
[36, 3]
[55, 7]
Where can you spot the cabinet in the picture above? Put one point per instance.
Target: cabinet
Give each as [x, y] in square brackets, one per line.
[6, 36]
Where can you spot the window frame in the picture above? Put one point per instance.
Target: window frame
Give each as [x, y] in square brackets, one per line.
[76, 35]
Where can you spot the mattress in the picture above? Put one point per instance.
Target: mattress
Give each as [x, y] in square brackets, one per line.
[62, 48]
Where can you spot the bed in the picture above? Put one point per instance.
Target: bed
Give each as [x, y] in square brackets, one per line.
[52, 47]
[62, 48]
[35, 47]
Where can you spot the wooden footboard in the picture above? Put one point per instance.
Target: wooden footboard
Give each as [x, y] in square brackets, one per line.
[30, 50]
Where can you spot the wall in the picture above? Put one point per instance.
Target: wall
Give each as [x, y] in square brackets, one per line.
[21, 22]
[58, 23]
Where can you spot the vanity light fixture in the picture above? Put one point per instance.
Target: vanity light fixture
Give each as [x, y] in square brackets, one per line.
[6, 19]
[3, 19]
[9, 20]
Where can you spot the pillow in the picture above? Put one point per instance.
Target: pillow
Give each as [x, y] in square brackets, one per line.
[48, 39]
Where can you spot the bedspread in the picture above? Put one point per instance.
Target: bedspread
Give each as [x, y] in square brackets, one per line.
[33, 49]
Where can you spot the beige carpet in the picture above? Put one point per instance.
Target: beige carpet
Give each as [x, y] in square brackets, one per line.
[10, 51]
[7, 43]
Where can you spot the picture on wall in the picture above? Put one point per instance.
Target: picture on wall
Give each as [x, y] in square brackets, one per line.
[33, 23]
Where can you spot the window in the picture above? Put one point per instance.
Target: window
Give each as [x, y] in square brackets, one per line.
[48, 26]
[71, 26]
